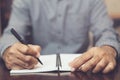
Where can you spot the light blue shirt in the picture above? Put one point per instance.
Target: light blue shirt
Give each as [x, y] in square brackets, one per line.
[60, 26]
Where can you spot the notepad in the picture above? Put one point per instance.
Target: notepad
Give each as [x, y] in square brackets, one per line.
[49, 64]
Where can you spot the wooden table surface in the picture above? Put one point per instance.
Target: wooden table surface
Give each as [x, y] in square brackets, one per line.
[5, 75]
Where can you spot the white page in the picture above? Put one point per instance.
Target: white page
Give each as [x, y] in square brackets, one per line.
[49, 64]
[66, 59]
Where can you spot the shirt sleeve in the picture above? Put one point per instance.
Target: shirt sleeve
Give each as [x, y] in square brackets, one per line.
[19, 20]
[102, 26]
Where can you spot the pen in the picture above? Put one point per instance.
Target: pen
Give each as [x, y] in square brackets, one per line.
[22, 41]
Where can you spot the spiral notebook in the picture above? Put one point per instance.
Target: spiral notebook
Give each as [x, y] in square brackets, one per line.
[50, 64]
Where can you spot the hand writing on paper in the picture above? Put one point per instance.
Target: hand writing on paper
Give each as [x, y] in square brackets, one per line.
[20, 56]
[96, 59]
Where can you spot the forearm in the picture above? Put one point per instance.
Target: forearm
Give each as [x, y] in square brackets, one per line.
[6, 41]
[102, 27]
[19, 20]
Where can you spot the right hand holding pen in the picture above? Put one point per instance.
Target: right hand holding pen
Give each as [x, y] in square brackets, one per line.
[20, 56]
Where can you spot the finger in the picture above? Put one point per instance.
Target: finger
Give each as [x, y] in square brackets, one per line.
[25, 61]
[109, 67]
[22, 48]
[24, 58]
[90, 64]
[21, 64]
[11, 64]
[35, 49]
[100, 66]
[20, 56]
[32, 50]
[77, 62]
[29, 64]
[31, 60]
[16, 67]
[8, 63]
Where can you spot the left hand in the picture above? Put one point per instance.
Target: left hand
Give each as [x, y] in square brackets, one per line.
[96, 59]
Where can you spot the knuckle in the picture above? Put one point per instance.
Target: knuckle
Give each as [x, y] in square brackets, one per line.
[81, 57]
[103, 53]
[35, 62]
[91, 63]
[38, 47]
[12, 62]
[25, 49]
[11, 50]
[31, 67]
[10, 59]
[8, 66]
[28, 58]
[22, 48]
[100, 65]
[25, 65]
[111, 66]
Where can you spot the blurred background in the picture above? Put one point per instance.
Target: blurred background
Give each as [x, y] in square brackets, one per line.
[113, 7]
[5, 8]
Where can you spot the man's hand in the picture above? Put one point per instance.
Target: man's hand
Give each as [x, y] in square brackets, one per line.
[96, 59]
[20, 56]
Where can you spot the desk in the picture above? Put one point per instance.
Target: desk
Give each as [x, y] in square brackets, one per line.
[5, 75]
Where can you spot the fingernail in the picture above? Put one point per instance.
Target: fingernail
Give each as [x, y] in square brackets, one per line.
[38, 54]
[80, 68]
[72, 69]
[93, 71]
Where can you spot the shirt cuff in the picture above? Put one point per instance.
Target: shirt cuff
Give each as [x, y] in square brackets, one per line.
[115, 45]
[5, 46]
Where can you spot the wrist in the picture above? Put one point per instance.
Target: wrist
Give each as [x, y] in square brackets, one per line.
[110, 50]
[5, 53]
